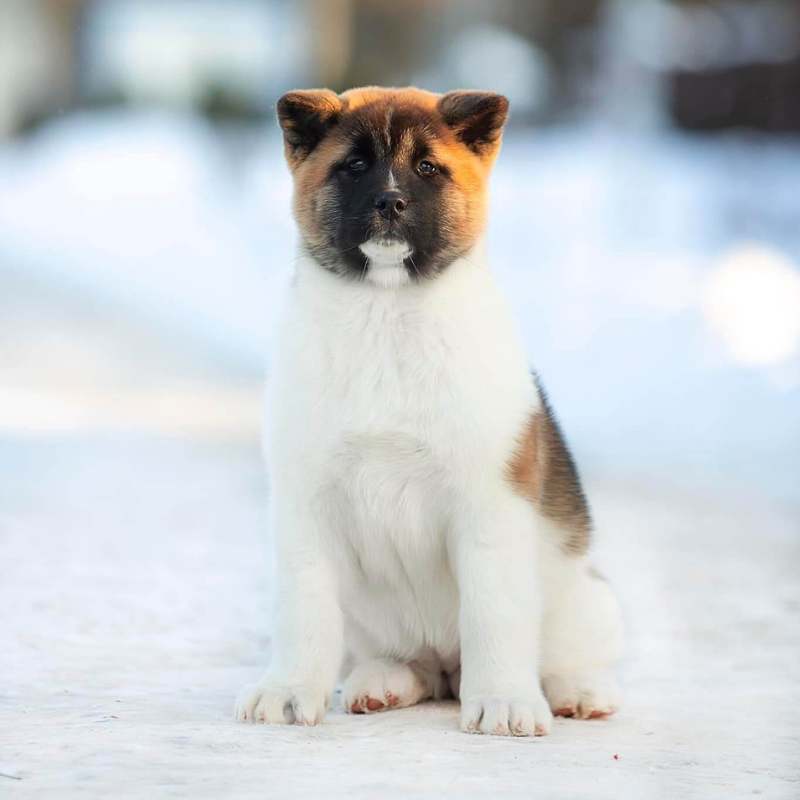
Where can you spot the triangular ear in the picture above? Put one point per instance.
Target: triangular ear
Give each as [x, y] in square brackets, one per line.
[477, 118]
[305, 117]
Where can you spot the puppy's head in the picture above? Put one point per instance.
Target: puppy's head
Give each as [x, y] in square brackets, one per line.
[390, 184]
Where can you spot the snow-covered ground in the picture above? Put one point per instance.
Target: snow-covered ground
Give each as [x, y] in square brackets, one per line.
[141, 262]
[133, 606]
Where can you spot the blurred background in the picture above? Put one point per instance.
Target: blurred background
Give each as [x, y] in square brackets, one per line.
[645, 224]
[645, 219]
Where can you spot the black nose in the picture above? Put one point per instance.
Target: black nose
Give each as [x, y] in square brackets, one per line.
[390, 205]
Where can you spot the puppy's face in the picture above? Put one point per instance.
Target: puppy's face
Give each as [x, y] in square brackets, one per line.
[390, 184]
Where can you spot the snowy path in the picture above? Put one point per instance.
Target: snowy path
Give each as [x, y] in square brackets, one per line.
[132, 607]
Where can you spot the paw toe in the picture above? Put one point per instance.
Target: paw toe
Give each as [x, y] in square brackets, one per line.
[498, 717]
[495, 717]
[366, 704]
[272, 704]
[523, 720]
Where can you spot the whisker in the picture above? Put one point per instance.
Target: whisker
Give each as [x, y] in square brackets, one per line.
[413, 264]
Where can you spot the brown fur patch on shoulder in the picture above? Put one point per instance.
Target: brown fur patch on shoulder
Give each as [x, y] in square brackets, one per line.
[542, 470]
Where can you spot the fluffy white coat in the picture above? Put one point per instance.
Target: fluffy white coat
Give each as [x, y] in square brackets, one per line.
[403, 552]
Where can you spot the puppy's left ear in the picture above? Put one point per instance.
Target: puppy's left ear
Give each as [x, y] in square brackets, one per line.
[306, 117]
[477, 118]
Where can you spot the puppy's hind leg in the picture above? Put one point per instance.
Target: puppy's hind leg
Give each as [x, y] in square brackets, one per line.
[383, 683]
[581, 644]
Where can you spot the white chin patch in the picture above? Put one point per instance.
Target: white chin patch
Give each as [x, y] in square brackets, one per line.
[386, 267]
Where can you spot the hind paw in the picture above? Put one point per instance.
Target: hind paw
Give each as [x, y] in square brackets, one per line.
[583, 697]
[381, 684]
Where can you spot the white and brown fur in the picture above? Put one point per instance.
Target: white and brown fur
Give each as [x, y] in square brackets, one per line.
[430, 530]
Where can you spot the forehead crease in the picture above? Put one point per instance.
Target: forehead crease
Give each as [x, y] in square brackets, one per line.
[406, 144]
[387, 128]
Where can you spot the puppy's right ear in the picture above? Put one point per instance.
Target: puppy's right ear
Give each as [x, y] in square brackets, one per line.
[477, 118]
[305, 117]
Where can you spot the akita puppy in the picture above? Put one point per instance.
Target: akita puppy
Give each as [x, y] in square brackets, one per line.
[429, 527]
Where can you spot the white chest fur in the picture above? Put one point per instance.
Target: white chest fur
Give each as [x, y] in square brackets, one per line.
[390, 406]
[441, 364]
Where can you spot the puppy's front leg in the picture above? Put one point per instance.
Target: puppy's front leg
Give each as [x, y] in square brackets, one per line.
[495, 558]
[307, 638]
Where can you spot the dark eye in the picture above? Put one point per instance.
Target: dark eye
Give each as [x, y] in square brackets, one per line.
[426, 168]
[355, 164]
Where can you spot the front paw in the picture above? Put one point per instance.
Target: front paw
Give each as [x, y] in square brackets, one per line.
[281, 703]
[506, 716]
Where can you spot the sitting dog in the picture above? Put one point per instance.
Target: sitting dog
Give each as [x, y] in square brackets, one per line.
[429, 526]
